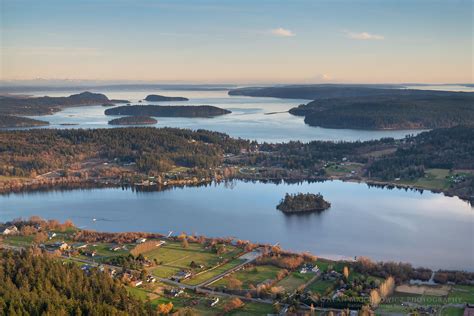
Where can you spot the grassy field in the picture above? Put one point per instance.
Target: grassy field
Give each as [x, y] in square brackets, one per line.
[210, 274]
[172, 257]
[433, 179]
[18, 241]
[339, 169]
[321, 287]
[200, 304]
[459, 294]
[462, 294]
[253, 275]
[295, 280]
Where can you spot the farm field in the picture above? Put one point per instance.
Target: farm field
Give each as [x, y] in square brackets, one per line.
[252, 276]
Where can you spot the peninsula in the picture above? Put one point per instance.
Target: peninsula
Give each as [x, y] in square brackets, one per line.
[373, 107]
[302, 203]
[159, 98]
[168, 111]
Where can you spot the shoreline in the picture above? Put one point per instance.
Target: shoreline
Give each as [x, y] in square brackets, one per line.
[35, 185]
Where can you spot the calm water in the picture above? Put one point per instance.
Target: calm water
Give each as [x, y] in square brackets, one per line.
[249, 118]
[425, 229]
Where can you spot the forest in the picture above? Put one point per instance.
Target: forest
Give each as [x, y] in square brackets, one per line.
[35, 283]
[168, 111]
[389, 112]
[449, 148]
[24, 153]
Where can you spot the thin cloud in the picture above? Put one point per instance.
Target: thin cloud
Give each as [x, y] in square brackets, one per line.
[364, 36]
[282, 32]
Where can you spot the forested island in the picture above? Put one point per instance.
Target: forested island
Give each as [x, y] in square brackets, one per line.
[10, 121]
[159, 98]
[21, 105]
[133, 120]
[373, 107]
[168, 111]
[303, 203]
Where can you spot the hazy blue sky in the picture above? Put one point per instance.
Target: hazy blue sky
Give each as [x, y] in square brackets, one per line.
[238, 41]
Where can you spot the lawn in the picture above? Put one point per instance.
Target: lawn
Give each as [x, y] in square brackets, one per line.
[321, 286]
[294, 280]
[252, 275]
[254, 309]
[18, 241]
[462, 294]
[210, 274]
[452, 311]
[172, 257]
[433, 179]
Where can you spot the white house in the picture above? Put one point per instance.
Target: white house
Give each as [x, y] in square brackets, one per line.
[10, 230]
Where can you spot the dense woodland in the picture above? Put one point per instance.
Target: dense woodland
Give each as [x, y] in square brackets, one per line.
[387, 112]
[32, 283]
[450, 148]
[168, 111]
[23, 153]
[48, 105]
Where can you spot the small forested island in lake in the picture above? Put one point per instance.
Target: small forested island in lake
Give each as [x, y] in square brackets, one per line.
[159, 98]
[133, 120]
[168, 111]
[11, 121]
[303, 202]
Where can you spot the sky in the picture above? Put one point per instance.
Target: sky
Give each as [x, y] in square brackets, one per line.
[239, 41]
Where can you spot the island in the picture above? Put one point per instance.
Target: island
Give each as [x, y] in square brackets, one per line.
[302, 203]
[24, 105]
[160, 98]
[168, 111]
[133, 120]
[11, 121]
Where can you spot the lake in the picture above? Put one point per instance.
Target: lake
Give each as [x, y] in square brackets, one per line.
[425, 229]
[250, 118]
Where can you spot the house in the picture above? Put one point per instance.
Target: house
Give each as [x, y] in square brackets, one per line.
[150, 279]
[214, 301]
[51, 235]
[176, 292]
[136, 283]
[181, 275]
[10, 230]
[64, 246]
[115, 248]
[140, 240]
[92, 253]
